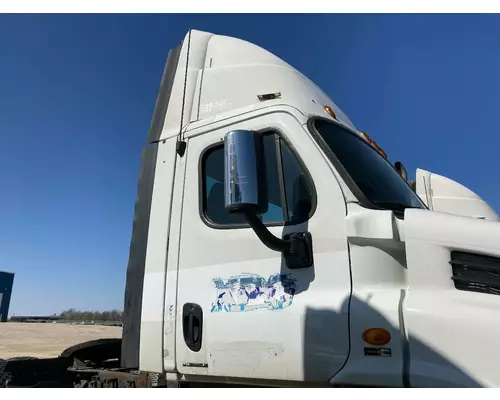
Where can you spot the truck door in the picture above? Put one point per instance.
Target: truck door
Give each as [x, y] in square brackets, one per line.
[241, 312]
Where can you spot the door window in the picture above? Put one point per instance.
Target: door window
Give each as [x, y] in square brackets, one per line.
[290, 190]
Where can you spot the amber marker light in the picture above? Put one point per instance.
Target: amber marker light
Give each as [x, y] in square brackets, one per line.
[330, 112]
[377, 336]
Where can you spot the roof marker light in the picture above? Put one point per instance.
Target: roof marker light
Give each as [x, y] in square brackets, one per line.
[330, 112]
[373, 143]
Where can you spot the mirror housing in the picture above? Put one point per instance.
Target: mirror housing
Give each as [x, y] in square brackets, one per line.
[401, 170]
[245, 188]
[245, 191]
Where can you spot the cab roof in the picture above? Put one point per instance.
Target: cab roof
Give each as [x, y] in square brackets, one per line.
[208, 75]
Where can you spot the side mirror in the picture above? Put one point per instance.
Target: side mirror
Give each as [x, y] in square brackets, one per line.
[245, 188]
[401, 170]
[245, 191]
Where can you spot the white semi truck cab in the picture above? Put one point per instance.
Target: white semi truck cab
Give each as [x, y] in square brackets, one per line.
[274, 244]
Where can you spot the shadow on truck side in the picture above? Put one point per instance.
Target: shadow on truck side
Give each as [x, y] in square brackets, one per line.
[320, 365]
[320, 321]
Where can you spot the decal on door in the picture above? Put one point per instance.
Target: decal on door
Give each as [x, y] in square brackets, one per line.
[170, 311]
[249, 292]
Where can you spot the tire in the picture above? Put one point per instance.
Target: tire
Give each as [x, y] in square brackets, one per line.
[5, 377]
[95, 350]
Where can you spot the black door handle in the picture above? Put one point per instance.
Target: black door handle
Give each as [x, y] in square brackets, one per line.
[192, 324]
[190, 329]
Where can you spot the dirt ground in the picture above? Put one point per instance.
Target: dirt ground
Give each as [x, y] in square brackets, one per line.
[48, 340]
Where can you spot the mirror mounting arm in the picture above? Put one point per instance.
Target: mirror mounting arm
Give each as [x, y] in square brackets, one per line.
[296, 247]
[266, 237]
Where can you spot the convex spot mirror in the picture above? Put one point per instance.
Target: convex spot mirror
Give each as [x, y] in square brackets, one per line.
[401, 170]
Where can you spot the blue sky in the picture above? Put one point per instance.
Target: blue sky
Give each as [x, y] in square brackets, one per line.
[77, 93]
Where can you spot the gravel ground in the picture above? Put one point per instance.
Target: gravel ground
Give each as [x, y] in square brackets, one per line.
[48, 340]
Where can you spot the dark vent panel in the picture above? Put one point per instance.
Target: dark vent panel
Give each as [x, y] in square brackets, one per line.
[475, 272]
